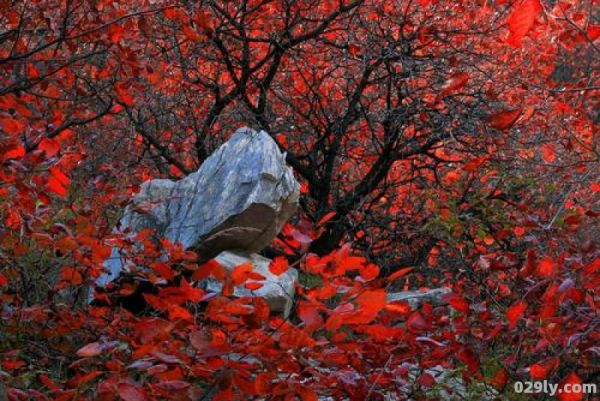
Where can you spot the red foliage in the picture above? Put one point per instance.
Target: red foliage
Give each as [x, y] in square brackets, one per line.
[438, 144]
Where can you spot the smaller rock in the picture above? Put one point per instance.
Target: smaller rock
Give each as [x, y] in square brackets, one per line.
[416, 298]
[278, 291]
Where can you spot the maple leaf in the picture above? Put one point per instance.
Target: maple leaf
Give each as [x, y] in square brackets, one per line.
[504, 119]
[521, 20]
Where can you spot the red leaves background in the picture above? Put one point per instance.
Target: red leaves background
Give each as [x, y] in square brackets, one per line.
[505, 119]
[521, 19]
[98, 97]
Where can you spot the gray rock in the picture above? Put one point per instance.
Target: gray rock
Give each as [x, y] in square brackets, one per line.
[450, 386]
[416, 298]
[238, 199]
[278, 291]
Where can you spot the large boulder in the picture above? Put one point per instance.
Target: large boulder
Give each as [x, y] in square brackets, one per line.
[278, 291]
[238, 199]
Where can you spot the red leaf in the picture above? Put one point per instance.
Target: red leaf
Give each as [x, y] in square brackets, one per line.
[79, 380]
[399, 273]
[163, 269]
[398, 307]
[369, 272]
[179, 312]
[521, 20]
[3, 280]
[58, 181]
[541, 370]
[14, 153]
[46, 381]
[566, 393]
[456, 81]
[210, 268]
[306, 394]
[253, 285]
[549, 153]
[12, 126]
[203, 20]
[457, 302]
[13, 219]
[71, 275]
[50, 146]
[241, 273]
[546, 268]
[89, 350]
[173, 385]
[278, 266]
[514, 313]
[500, 378]
[129, 392]
[123, 95]
[372, 301]
[469, 358]
[504, 119]
[416, 323]
[326, 218]
[426, 380]
[593, 31]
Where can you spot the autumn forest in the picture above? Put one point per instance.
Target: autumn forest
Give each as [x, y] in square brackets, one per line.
[410, 214]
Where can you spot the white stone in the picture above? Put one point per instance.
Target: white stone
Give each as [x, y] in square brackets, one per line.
[239, 199]
[416, 298]
[278, 291]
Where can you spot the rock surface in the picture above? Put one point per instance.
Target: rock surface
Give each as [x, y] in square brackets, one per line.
[278, 291]
[416, 298]
[238, 199]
